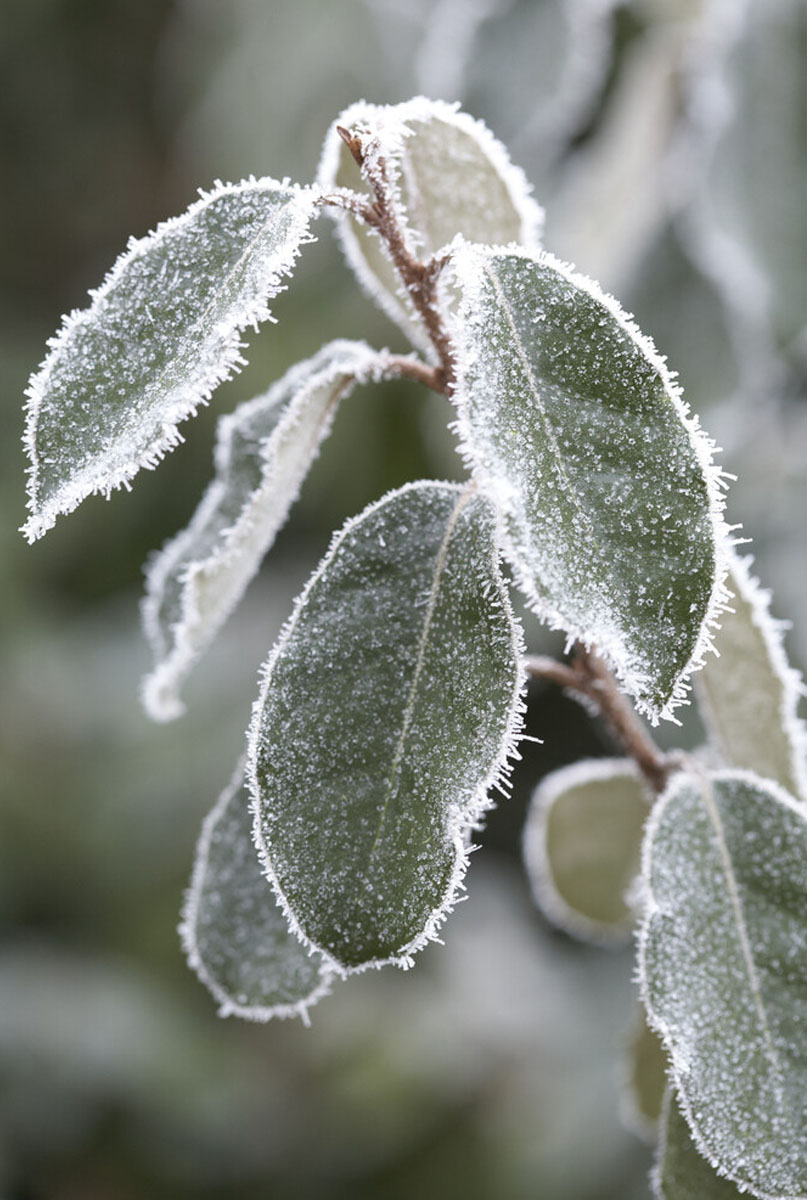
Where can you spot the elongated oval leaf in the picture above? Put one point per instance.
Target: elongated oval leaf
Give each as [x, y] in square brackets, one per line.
[749, 694]
[724, 970]
[570, 420]
[582, 846]
[449, 175]
[263, 452]
[680, 1172]
[161, 333]
[234, 932]
[644, 1079]
[388, 709]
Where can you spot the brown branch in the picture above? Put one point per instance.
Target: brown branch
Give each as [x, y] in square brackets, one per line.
[419, 276]
[414, 368]
[588, 675]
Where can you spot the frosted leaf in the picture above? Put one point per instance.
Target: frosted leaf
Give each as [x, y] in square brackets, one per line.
[388, 709]
[450, 175]
[572, 423]
[644, 1079]
[235, 935]
[723, 969]
[749, 694]
[680, 1172]
[161, 333]
[582, 846]
[263, 453]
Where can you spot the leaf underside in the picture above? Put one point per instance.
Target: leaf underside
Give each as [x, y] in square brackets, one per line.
[263, 452]
[681, 1173]
[450, 176]
[724, 970]
[582, 846]
[749, 693]
[570, 420]
[388, 709]
[234, 932]
[161, 333]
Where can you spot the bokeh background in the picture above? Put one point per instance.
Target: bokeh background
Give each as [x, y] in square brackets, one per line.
[666, 139]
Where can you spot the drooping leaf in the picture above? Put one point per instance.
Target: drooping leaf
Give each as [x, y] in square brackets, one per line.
[749, 694]
[449, 175]
[680, 1172]
[582, 846]
[161, 333]
[388, 709]
[723, 967]
[645, 1079]
[234, 932]
[570, 420]
[263, 452]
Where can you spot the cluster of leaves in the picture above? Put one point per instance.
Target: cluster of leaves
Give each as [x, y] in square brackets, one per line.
[391, 706]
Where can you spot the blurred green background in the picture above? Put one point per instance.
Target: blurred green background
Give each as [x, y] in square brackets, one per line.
[667, 140]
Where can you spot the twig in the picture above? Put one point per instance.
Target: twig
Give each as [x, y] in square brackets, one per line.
[588, 675]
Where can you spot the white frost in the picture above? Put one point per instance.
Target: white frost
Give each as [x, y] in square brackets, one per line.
[263, 453]
[161, 333]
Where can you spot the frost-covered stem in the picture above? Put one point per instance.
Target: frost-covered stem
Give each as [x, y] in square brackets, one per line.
[588, 675]
[414, 368]
[419, 276]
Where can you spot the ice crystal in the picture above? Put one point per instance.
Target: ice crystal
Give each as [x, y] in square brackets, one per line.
[263, 452]
[572, 423]
[448, 175]
[723, 966]
[234, 932]
[161, 333]
[388, 710]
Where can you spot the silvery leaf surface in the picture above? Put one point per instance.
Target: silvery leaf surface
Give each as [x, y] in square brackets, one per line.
[749, 694]
[571, 422]
[234, 932]
[582, 846]
[723, 970]
[161, 333]
[263, 452]
[388, 710]
[448, 175]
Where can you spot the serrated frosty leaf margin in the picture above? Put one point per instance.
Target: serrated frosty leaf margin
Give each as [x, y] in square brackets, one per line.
[464, 256]
[188, 398]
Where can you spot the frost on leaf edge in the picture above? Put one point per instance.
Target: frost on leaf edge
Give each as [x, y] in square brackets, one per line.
[772, 633]
[536, 859]
[463, 820]
[161, 686]
[679, 780]
[228, 1007]
[87, 482]
[464, 270]
[392, 119]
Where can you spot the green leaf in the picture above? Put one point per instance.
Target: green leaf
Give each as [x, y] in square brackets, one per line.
[582, 846]
[263, 453]
[572, 423]
[645, 1079]
[161, 333]
[449, 175]
[235, 935]
[723, 968]
[749, 694]
[388, 709]
[680, 1172]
